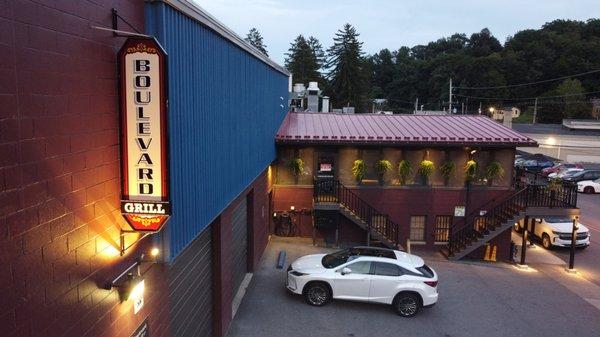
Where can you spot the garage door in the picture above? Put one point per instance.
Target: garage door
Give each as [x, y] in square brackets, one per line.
[190, 285]
[239, 244]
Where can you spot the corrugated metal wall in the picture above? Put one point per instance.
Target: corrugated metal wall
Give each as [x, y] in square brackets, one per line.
[224, 111]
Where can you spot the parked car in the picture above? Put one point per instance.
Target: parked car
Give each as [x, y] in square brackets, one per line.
[583, 175]
[561, 167]
[589, 186]
[556, 232]
[565, 172]
[535, 165]
[365, 274]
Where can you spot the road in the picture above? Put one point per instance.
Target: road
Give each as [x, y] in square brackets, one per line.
[587, 261]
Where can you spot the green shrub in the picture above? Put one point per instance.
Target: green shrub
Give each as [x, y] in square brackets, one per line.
[404, 171]
[297, 166]
[471, 170]
[382, 167]
[494, 171]
[426, 168]
[358, 170]
[447, 169]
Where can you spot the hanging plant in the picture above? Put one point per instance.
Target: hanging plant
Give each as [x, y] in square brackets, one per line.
[404, 171]
[447, 170]
[494, 171]
[426, 168]
[381, 168]
[358, 170]
[471, 170]
[297, 166]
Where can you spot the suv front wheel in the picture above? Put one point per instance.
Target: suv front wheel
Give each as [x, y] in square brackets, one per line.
[317, 294]
[546, 241]
[407, 304]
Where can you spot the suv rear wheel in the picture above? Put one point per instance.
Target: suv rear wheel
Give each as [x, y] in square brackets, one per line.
[589, 190]
[317, 294]
[407, 304]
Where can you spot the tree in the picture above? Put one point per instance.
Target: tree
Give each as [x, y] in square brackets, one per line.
[256, 40]
[347, 70]
[304, 59]
[574, 100]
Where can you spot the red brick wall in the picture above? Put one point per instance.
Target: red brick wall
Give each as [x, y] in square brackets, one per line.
[59, 172]
[398, 203]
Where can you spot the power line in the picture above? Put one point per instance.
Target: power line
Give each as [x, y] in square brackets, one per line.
[528, 98]
[529, 83]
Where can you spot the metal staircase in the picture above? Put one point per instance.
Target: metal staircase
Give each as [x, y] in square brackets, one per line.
[479, 229]
[330, 194]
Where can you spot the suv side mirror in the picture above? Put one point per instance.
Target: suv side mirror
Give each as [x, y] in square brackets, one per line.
[346, 271]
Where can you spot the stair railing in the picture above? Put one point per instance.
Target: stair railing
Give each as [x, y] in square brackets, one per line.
[479, 226]
[331, 190]
[535, 195]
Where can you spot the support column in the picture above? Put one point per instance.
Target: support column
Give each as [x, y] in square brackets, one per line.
[524, 242]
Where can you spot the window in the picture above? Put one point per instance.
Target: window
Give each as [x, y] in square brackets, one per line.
[442, 228]
[361, 267]
[417, 228]
[387, 269]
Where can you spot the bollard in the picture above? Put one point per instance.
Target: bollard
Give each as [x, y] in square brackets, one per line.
[281, 259]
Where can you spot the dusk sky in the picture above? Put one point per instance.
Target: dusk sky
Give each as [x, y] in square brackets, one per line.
[389, 24]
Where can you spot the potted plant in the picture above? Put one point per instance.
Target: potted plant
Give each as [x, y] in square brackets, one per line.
[381, 168]
[447, 170]
[297, 165]
[426, 168]
[470, 170]
[404, 171]
[358, 170]
[494, 171]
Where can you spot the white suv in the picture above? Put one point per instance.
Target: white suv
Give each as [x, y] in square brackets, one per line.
[556, 231]
[365, 274]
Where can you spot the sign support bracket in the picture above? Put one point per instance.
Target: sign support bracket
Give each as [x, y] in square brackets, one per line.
[122, 234]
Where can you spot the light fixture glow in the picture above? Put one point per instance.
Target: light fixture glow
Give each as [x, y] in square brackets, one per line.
[473, 151]
[551, 141]
[292, 208]
[137, 296]
[154, 252]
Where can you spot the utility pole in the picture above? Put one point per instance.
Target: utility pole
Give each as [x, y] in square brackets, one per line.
[450, 97]
[534, 111]
[416, 105]
[462, 110]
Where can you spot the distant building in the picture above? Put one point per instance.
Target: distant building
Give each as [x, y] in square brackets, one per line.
[501, 114]
[596, 108]
[563, 143]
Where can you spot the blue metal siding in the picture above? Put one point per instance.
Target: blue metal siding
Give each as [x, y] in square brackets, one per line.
[225, 107]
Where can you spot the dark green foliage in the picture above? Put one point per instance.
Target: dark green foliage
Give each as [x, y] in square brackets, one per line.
[304, 60]
[348, 70]
[256, 40]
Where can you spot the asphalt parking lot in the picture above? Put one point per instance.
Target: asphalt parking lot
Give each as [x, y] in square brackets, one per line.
[587, 261]
[475, 300]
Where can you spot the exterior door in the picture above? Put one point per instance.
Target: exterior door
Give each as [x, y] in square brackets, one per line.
[353, 286]
[239, 244]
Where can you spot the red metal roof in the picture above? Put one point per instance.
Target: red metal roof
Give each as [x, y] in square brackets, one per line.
[335, 128]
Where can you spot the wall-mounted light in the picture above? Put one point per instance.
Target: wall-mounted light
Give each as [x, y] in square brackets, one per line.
[274, 214]
[473, 151]
[130, 283]
[292, 208]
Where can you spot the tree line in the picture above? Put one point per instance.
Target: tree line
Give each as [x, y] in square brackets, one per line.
[484, 71]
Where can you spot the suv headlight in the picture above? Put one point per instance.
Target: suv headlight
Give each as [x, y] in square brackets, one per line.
[558, 233]
[297, 273]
